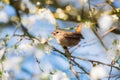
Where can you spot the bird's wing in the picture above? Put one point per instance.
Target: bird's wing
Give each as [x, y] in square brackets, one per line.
[73, 36]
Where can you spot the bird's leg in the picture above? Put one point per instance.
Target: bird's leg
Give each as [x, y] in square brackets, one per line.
[67, 53]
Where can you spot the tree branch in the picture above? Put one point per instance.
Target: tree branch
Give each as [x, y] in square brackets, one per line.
[95, 62]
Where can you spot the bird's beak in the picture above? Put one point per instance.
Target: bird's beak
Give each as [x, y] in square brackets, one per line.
[53, 33]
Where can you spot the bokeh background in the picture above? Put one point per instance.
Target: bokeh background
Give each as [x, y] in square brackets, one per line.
[28, 50]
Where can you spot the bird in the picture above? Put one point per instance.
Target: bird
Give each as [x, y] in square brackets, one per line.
[67, 38]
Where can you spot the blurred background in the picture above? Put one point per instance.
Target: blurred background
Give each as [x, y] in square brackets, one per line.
[28, 50]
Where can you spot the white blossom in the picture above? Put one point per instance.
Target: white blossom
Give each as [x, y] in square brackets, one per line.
[59, 76]
[98, 72]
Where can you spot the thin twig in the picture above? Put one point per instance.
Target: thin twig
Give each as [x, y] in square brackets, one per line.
[114, 9]
[104, 34]
[108, 31]
[110, 70]
[69, 59]
[93, 29]
[68, 55]
[95, 62]
[80, 67]
[88, 60]
[73, 70]
[19, 22]
[54, 49]
[38, 62]
[89, 5]
[90, 11]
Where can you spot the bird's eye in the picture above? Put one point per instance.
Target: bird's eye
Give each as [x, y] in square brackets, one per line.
[57, 32]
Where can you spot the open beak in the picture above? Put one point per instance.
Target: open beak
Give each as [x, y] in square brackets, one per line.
[53, 33]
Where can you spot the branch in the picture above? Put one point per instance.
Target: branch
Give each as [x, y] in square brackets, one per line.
[38, 62]
[104, 34]
[24, 29]
[69, 60]
[80, 67]
[90, 11]
[68, 55]
[112, 63]
[73, 70]
[54, 49]
[111, 4]
[95, 62]
[110, 30]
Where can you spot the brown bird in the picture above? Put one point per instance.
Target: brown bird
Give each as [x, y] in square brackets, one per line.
[67, 38]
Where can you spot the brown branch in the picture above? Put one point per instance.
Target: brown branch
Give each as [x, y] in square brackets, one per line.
[54, 49]
[112, 63]
[90, 11]
[104, 34]
[95, 62]
[74, 71]
[99, 38]
[69, 60]
[80, 67]
[112, 6]
[24, 29]
[93, 28]
[110, 30]
[68, 55]
[38, 62]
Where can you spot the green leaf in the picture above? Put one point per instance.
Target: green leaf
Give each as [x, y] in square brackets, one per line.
[0, 74]
[114, 42]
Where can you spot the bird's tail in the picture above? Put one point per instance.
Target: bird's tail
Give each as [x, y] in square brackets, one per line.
[79, 28]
